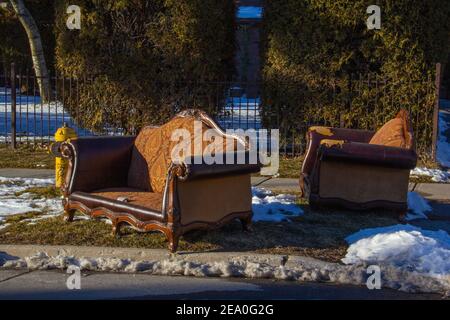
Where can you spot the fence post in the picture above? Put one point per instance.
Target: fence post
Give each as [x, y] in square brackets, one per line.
[436, 110]
[13, 106]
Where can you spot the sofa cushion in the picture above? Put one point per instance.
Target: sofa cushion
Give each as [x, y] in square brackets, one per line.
[391, 134]
[141, 204]
[152, 153]
[135, 197]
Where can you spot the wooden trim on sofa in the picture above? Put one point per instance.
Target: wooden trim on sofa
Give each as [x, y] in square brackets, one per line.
[172, 230]
[317, 200]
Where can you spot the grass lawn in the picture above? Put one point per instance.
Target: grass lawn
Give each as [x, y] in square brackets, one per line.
[290, 167]
[318, 234]
[26, 156]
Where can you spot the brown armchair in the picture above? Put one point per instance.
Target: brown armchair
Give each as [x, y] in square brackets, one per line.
[133, 180]
[360, 169]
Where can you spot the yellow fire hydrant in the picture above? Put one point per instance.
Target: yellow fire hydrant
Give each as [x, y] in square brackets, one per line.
[61, 135]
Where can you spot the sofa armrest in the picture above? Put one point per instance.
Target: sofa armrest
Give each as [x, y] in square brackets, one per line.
[372, 154]
[316, 134]
[196, 167]
[97, 163]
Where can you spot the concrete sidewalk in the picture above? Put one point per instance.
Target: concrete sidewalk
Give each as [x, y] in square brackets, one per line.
[27, 173]
[276, 184]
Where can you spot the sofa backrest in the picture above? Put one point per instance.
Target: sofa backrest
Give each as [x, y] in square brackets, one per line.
[154, 147]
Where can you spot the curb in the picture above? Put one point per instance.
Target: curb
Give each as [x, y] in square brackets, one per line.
[140, 254]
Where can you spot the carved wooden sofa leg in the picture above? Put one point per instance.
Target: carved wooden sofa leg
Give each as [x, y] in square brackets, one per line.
[173, 239]
[116, 229]
[69, 215]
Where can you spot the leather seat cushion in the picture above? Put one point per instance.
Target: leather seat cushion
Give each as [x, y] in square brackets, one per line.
[143, 205]
[391, 134]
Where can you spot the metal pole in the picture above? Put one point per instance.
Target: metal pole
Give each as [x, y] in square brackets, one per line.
[13, 106]
[436, 110]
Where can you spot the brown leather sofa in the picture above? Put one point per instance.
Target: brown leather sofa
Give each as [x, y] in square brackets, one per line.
[134, 181]
[360, 169]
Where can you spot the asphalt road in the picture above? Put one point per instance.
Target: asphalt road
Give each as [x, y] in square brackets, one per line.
[52, 285]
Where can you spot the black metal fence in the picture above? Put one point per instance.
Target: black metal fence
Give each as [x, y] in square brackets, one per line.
[361, 101]
[26, 119]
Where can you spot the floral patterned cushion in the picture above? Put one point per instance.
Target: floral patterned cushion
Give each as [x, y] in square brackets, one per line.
[153, 149]
[394, 133]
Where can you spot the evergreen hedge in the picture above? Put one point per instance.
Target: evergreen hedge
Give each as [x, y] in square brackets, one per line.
[146, 57]
[14, 46]
[315, 51]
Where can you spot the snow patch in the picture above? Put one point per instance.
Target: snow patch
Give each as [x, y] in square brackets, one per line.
[266, 205]
[404, 247]
[443, 145]
[417, 207]
[240, 112]
[11, 204]
[435, 174]
[269, 207]
[297, 269]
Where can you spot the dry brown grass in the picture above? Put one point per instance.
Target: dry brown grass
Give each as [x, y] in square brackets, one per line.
[290, 167]
[26, 156]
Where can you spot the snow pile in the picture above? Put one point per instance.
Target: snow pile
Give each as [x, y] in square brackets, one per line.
[417, 206]
[269, 207]
[443, 145]
[435, 174]
[11, 204]
[404, 247]
[299, 269]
